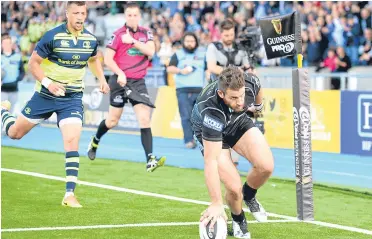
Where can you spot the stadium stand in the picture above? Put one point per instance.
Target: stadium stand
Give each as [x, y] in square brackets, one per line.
[325, 25]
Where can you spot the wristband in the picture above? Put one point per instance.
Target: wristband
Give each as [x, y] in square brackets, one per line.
[259, 107]
[46, 82]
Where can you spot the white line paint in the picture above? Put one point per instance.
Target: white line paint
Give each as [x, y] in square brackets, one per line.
[341, 227]
[166, 224]
[114, 188]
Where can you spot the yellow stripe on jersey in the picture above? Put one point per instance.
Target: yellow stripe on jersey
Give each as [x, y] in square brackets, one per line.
[73, 49]
[71, 78]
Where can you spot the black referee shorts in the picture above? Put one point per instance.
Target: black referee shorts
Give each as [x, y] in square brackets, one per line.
[117, 93]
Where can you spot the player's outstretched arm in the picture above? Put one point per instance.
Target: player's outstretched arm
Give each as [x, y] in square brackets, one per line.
[35, 69]
[212, 151]
[95, 66]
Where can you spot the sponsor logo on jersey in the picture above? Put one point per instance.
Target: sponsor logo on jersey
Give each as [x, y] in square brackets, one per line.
[65, 43]
[211, 123]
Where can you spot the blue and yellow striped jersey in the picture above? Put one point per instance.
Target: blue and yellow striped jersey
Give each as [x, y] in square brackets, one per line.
[65, 57]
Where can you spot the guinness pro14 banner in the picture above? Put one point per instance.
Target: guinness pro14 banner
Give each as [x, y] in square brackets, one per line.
[278, 35]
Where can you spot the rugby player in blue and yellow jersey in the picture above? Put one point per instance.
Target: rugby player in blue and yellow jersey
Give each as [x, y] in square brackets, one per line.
[58, 64]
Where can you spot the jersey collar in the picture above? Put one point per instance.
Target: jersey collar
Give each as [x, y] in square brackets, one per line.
[64, 26]
[131, 29]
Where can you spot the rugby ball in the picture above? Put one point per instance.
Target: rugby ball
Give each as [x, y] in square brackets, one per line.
[219, 230]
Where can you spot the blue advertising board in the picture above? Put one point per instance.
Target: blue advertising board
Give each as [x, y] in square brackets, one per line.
[356, 123]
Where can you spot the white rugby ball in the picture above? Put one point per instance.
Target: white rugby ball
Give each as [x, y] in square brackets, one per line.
[219, 230]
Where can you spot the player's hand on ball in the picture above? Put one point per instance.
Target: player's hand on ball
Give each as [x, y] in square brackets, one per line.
[122, 80]
[56, 89]
[104, 87]
[212, 213]
[127, 38]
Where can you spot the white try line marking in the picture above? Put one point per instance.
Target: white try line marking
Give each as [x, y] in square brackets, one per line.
[165, 224]
[114, 188]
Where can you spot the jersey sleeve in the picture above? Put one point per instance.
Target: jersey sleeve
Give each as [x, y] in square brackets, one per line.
[173, 60]
[45, 46]
[252, 82]
[213, 124]
[94, 53]
[211, 54]
[114, 41]
[258, 83]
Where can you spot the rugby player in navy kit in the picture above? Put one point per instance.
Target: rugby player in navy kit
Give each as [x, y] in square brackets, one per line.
[221, 121]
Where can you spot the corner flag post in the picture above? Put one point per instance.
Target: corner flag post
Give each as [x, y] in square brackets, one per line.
[282, 37]
[302, 132]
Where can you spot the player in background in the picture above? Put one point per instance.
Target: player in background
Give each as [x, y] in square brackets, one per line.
[58, 65]
[127, 55]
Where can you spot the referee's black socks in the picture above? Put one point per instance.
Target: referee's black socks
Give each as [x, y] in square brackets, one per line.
[146, 139]
[102, 129]
[248, 192]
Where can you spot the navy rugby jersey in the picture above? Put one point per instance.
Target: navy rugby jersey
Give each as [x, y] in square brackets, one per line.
[65, 57]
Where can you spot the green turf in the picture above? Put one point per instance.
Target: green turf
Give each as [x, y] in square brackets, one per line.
[267, 231]
[34, 202]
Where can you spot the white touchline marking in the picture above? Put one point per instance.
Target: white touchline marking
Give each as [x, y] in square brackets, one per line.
[346, 228]
[122, 226]
[120, 189]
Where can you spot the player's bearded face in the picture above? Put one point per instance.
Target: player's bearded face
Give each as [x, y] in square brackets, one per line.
[234, 99]
[227, 36]
[132, 17]
[76, 16]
